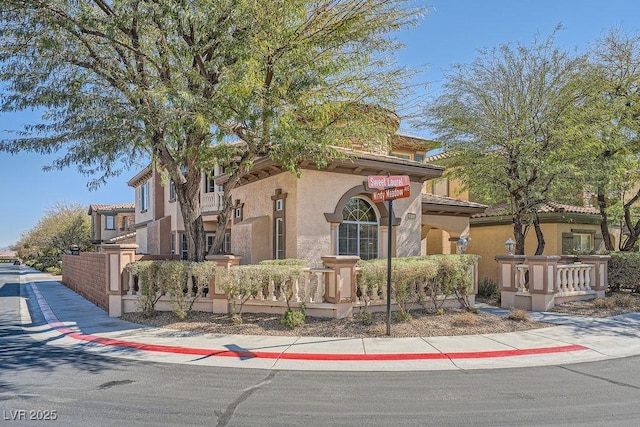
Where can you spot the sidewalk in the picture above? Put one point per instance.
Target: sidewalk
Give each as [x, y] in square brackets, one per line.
[62, 318]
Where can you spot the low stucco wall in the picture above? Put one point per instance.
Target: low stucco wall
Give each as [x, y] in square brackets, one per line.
[489, 241]
[86, 275]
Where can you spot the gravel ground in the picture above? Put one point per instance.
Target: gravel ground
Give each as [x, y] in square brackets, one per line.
[422, 324]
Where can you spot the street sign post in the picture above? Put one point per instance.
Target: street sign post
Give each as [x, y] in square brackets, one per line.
[381, 182]
[391, 194]
[389, 188]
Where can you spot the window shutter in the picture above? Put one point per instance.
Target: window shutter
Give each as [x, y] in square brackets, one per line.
[597, 242]
[567, 243]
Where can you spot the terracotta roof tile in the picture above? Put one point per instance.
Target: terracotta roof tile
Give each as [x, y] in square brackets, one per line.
[550, 207]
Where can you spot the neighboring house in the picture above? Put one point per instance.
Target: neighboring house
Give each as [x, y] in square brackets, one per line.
[112, 223]
[326, 211]
[566, 229]
[7, 255]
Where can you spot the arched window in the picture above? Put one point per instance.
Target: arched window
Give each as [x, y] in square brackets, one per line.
[358, 232]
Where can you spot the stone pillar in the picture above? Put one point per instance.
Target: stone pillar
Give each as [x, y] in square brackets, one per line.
[118, 256]
[542, 277]
[340, 287]
[507, 278]
[217, 294]
[599, 273]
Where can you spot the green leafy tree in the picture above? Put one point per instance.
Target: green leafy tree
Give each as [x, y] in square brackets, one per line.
[60, 227]
[609, 115]
[177, 80]
[506, 116]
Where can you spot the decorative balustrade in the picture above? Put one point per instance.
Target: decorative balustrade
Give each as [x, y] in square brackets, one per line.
[310, 288]
[211, 202]
[542, 281]
[569, 278]
[573, 278]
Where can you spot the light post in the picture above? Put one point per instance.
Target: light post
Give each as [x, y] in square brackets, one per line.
[510, 244]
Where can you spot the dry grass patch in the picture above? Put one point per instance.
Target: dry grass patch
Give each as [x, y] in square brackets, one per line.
[518, 315]
[465, 319]
[612, 305]
[422, 324]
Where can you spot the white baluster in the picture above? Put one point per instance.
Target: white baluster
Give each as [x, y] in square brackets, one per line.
[319, 286]
[283, 289]
[570, 287]
[587, 277]
[296, 290]
[374, 293]
[132, 282]
[307, 286]
[271, 295]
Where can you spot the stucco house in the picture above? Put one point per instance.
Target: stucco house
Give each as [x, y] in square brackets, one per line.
[566, 228]
[326, 211]
[112, 223]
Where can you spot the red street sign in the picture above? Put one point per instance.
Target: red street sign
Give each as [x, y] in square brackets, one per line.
[391, 194]
[381, 181]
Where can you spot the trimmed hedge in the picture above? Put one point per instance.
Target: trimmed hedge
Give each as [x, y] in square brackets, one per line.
[423, 279]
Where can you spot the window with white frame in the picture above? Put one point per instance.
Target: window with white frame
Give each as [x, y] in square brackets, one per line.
[144, 197]
[279, 239]
[172, 191]
[183, 246]
[209, 184]
[279, 225]
[358, 232]
[580, 241]
[125, 223]
[110, 222]
[226, 243]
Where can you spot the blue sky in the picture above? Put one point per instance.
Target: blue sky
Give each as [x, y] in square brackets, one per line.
[450, 33]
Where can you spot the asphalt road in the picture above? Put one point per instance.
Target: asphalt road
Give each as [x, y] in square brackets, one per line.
[42, 381]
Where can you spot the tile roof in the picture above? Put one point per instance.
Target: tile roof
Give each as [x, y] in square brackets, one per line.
[549, 207]
[127, 236]
[117, 207]
[450, 201]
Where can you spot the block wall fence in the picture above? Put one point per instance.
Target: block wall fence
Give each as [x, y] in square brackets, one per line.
[86, 275]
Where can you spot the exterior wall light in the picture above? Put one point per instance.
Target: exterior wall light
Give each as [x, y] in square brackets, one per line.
[462, 244]
[510, 244]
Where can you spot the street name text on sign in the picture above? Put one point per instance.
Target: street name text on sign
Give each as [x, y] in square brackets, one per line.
[382, 182]
[391, 194]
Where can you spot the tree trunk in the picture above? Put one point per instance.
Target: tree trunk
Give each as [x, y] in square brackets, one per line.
[187, 193]
[604, 221]
[189, 202]
[226, 214]
[518, 234]
[539, 235]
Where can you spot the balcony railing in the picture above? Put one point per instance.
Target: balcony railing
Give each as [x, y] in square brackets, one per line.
[212, 202]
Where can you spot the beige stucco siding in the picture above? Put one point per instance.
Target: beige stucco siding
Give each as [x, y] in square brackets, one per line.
[489, 241]
[318, 193]
[256, 202]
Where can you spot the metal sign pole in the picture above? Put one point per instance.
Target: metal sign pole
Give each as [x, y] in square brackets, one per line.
[389, 268]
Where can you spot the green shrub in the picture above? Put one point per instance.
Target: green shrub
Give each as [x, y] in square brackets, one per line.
[53, 270]
[624, 271]
[293, 318]
[419, 279]
[245, 281]
[487, 288]
[149, 286]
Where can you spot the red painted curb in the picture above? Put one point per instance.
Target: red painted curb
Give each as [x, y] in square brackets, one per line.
[54, 323]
